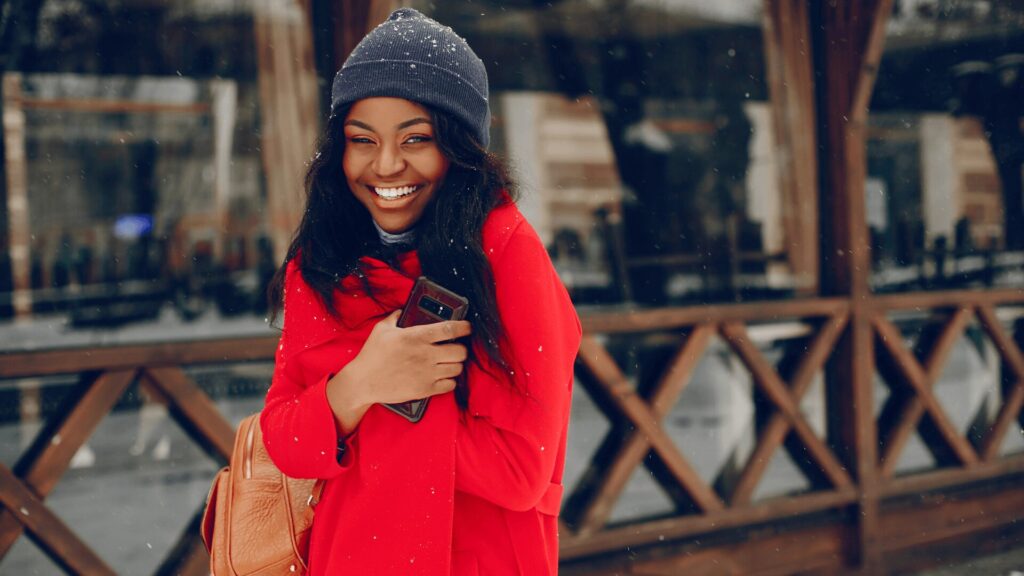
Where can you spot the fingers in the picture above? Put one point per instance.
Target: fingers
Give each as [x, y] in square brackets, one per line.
[448, 370]
[444, 385]
[450, 353]
[443, 331]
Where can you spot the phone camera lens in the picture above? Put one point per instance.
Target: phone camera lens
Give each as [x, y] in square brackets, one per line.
[435, 308]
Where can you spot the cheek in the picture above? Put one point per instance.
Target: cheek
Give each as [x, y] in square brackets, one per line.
[439, 168]
[348, 167]
[354, 164]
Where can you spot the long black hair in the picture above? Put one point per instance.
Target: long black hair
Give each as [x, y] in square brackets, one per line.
[448, 235]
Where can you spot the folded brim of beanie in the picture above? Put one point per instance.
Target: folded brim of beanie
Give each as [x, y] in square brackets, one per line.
[416, 81]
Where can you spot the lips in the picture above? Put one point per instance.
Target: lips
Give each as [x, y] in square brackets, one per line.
[393, 192]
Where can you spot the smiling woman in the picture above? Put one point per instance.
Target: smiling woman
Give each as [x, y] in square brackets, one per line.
[392, 162]
[403, 185]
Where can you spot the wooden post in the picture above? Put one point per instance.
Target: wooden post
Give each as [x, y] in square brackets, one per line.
[290, 110]
[357, 18]
[224, 95]
[790, 79]
[17, 196]
[848, 50]
[289, 97]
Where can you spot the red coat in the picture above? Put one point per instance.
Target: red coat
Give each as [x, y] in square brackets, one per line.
[453, 494]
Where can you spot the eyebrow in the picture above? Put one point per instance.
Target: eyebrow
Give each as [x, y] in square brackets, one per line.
[401, 126]
[413, 122]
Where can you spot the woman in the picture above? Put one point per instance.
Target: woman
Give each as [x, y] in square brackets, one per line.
[402, 185]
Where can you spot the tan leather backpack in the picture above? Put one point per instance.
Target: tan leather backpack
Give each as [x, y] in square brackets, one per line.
[257, 520]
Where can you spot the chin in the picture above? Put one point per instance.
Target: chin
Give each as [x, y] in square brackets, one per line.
[392, 227]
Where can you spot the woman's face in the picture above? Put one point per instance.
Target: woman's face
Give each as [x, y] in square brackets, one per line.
[392, 162]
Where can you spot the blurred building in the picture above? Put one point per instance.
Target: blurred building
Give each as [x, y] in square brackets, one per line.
[644, 136]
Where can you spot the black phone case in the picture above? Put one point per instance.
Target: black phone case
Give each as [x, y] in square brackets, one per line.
[418, 311]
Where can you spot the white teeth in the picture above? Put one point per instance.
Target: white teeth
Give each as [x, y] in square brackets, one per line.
[393, 193]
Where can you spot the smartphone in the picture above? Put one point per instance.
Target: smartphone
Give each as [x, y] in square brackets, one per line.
[428, 302]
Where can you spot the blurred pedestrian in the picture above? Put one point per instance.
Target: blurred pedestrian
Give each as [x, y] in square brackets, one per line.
[401, 185]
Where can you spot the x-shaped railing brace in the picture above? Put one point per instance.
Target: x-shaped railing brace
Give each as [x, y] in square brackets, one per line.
[941, 436]
[592, 502]
[23, 490]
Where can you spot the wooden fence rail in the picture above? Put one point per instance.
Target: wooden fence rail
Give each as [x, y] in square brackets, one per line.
[744, 530]
[590, 546]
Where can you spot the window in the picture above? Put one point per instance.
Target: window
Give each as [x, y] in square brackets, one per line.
[642, 135]
[945, 147]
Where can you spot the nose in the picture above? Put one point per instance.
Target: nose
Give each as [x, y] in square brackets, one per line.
[389, 161]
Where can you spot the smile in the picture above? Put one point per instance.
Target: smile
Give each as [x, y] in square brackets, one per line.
[394, 193]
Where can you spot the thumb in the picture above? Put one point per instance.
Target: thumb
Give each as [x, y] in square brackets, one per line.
[392, 319]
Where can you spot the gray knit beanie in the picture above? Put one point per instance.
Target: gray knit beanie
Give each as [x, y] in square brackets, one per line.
[413, 57]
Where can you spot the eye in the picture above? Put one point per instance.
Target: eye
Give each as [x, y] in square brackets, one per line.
[360, 140]
[418, 139]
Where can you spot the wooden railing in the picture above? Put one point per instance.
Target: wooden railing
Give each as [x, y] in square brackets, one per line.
[104, 376]
[963, 459]
[914, 509]
[716, 527]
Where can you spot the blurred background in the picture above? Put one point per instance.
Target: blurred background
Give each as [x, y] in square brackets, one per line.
[794, 229]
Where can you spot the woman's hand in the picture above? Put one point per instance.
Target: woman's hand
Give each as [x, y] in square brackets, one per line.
[398, 365]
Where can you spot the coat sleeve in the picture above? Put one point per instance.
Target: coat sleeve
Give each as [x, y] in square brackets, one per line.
[508, 442]
[297, 422]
